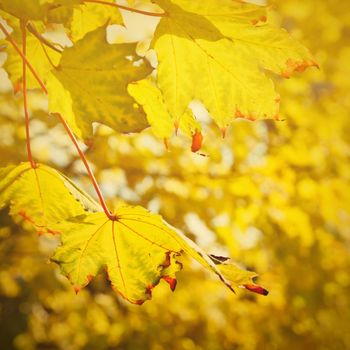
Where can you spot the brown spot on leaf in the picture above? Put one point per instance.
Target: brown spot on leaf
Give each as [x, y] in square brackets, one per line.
[77, 289]
[197, 140]
[239, 114]
[18, 86]
[89, 142]
[223, 132]
[251, 118]
[167, 261]
[180, 264]
[255, 288]
[171, 281]
[89, 278]
[166, 143]
[114, 287]
[149, 290]
[218, 258]
[297, 66]
[260, 19]
[176, 126]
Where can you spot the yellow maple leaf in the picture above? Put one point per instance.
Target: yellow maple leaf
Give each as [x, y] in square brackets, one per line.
[137, 249]
[95, 75]
[217, 56]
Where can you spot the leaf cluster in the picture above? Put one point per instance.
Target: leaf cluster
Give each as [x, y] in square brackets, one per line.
[220, 53]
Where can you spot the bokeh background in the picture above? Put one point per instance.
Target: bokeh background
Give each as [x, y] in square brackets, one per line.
[274, 196]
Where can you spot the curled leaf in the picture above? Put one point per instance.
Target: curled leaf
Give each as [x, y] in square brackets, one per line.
[137, 250]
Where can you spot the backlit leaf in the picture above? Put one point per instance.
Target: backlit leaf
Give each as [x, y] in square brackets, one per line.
[96, 75]
[151, 99]
[33, 9]
[40, 195]
[137, 250]
[88, 17]
[220, 61]
[163, 125]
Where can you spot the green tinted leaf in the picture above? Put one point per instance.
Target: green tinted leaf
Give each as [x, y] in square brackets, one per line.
[136, 251]
[95, 74]
[39, 195]
[33, 9]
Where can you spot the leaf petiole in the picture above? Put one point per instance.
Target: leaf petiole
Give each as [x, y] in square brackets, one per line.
[87, 166]
[31, 28]
[19, 51]
[25, 104]
[26, 63]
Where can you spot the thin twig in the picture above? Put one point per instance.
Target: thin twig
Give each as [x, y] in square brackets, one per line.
[130, 9]
[31, 28]
[25, 105]
[87, 166]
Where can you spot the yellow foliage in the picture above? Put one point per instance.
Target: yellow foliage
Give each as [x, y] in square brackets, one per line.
[274, 196]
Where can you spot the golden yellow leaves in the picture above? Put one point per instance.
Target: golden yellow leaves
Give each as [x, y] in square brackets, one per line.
[137, 249]
[214, 52]
[40, 195]
[95, 75]
[220, 61]
[33, 9]
[215, 57]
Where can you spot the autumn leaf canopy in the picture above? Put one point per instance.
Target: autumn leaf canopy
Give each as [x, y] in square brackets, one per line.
[223, 54]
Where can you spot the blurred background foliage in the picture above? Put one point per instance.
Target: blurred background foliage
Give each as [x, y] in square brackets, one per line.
[274, 196]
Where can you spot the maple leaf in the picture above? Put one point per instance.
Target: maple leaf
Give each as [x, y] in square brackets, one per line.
[32, 9]
[138, 249]
[150, 98]
[236, 275]
[229, 16]
[219, 62]
[90, 85]
[146, 94]
[253, 36]
[42, 196]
